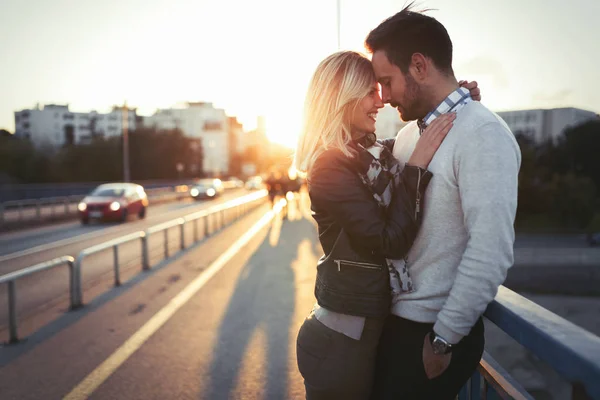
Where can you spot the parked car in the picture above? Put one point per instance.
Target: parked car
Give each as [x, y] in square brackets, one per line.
[114, 201]
[207, 189]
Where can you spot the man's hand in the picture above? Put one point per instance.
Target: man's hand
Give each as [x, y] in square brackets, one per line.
[435, 365]
[472, 86]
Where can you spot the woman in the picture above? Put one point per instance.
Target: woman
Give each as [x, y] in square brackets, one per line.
[367, 208]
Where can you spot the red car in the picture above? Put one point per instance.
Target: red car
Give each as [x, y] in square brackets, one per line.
[114, 202]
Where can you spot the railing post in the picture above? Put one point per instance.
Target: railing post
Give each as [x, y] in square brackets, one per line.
[77, 282]
[195, 222]
[182, 235]
[116, 265]
[463, 394]
[12, 313]
[166, 239]
[72, 286]
[490, 392]
[206, 232]
[20, 211]
[66, 206]
[476, 386]
[145, 258]
[579, 392]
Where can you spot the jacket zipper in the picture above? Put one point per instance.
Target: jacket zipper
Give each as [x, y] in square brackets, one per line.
[418, 202]
[356, 264]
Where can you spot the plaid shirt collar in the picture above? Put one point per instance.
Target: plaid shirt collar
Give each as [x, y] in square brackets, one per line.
[453, 102]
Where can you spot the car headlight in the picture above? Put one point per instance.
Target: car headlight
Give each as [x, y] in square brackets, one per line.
[115, 205]
[82, 206]
[194, 192]
[211, 192]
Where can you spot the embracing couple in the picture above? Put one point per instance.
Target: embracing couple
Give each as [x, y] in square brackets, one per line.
[417, 232]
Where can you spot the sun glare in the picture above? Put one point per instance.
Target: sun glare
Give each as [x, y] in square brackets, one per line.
[283, 127]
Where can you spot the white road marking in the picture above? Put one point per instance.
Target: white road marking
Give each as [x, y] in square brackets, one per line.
[86, 387]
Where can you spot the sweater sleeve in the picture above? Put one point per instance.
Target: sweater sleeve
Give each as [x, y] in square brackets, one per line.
[487, 167]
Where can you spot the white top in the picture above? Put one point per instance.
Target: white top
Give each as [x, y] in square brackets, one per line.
[465, 244]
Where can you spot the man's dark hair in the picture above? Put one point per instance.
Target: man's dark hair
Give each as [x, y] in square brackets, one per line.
[409, 32]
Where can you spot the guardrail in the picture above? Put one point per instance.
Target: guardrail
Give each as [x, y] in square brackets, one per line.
[11, 278]
[214, 219]
[52, 208]
[570, 350]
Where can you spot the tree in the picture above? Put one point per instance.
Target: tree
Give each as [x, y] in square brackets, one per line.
[571, 200]
[582, 150]
[155, 154]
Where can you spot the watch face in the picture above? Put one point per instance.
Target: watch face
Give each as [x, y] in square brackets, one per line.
[438, 346]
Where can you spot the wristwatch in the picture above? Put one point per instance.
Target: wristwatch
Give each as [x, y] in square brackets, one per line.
[439, 344]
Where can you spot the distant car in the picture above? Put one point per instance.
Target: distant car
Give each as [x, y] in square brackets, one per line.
[115, 202]
[255, 183]
[207, 189]
[238, 183]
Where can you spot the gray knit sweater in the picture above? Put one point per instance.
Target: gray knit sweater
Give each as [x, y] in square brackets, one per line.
[465, 246]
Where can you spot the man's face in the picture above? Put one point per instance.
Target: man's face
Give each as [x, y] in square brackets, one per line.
[397, 89]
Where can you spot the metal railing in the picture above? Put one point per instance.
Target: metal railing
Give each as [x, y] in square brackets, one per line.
[570, 350]
[214, 219]
[218, 213]
[38, 208]
[12, 277]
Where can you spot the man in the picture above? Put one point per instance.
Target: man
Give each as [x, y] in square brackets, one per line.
[433, 340]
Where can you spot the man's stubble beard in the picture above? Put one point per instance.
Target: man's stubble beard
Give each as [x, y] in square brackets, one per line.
[413, 102]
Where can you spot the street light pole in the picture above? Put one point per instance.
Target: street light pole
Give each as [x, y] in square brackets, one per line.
[125, 118]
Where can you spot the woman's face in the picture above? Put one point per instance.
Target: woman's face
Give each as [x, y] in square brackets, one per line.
[365, 113]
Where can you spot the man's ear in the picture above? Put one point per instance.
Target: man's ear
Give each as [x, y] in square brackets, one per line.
[419, 67]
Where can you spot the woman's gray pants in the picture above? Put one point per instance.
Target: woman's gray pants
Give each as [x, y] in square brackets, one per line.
[335, 366]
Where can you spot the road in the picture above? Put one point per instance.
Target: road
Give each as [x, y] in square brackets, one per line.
[48, 290]
[232, 338]
[197, 328]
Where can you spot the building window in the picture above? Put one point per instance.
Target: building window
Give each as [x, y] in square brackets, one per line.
[213, 126]
[26, 125]
[25, 114]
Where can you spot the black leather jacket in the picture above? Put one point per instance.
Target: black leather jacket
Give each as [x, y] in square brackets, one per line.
[357, 235]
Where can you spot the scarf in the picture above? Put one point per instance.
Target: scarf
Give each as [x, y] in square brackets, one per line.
[380, 173]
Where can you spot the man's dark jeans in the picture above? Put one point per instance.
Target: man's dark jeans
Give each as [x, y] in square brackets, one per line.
[400, 373]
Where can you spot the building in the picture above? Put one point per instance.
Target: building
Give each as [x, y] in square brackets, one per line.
[545, 125]
[201, 121]
[55, 125]
[235, 136]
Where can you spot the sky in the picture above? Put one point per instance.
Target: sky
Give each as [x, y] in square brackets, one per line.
[256, 57]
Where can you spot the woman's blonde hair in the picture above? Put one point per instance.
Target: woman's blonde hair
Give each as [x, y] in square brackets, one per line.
[337, 86]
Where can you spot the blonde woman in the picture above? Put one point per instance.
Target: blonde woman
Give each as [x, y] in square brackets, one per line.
[367, 208]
